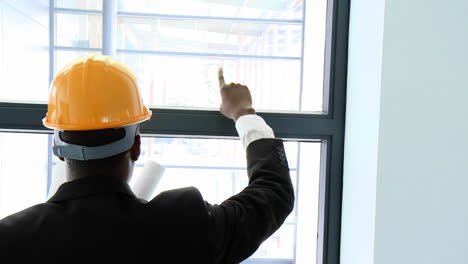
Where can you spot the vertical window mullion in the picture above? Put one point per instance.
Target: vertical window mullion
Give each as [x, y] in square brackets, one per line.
[296, 200]
[52, 19]
[301, 81]
[109, 20]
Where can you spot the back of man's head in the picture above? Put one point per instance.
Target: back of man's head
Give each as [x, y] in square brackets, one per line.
[95, 107]
[94, 138]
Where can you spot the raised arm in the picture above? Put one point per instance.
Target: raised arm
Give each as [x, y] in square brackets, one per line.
[244, 221]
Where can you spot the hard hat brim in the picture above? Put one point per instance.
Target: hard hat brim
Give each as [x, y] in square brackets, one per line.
[96, 126]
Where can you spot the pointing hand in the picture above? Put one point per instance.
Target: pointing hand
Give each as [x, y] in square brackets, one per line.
[236, 100]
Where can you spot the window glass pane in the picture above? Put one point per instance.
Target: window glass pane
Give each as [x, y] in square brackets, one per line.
[218, 169]
[201, 36]
[81, 31]
[193, 81]
[23, 171]
[277, 9]
[1, 49]
[314, 55]
[37, 10]
[79, 4]
[24, 59]
[64, 57]
[294, 48]
[307, 202]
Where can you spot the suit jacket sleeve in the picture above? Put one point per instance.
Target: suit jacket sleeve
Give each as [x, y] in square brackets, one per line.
[244, 221]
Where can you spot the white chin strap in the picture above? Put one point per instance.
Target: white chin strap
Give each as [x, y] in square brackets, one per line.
[77, 152]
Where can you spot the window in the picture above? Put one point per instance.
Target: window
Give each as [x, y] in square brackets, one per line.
[217, 167]
[259, 43]
[291, 53]
[24, 162]
[24, 50]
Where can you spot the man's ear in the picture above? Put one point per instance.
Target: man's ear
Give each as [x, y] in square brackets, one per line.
[60, 158]
[136, 150]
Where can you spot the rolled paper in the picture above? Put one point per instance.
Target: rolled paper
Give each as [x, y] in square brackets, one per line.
[146, 183]
[144, 186]
[58, 178]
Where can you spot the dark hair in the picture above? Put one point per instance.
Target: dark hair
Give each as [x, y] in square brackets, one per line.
[94, 138]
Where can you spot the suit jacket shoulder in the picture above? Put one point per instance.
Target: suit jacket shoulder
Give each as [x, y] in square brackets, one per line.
[181, 205]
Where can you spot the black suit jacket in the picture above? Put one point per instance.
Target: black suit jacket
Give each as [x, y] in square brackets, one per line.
[101, 219]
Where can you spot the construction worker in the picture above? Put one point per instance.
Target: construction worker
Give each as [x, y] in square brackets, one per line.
[95, 108]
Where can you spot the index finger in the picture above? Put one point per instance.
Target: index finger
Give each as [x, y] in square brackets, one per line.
[221, 78]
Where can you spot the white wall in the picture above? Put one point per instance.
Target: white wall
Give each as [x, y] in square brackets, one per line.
[414, 169]
[362, 130]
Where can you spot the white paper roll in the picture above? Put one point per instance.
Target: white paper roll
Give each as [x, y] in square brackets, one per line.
[58, 178]
[144, 185]
[148, 180]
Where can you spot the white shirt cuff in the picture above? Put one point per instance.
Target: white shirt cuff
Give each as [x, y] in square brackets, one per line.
[251, 128]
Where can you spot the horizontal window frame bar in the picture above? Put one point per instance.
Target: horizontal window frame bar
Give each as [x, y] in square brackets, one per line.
[140, 165]
[212, 18]
[188, 167]
[27, 117]
[65, 48]
[179, 54]
[208, 55]
[77, 11]
[267, 261]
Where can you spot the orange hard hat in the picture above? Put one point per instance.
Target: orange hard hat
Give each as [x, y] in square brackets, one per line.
[94, 92]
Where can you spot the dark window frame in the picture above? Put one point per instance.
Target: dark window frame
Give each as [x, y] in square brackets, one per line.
[327, 127]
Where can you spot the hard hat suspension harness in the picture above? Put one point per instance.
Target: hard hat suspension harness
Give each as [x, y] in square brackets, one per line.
[78, 152]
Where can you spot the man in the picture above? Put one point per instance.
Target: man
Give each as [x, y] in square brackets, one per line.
[94, 109]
